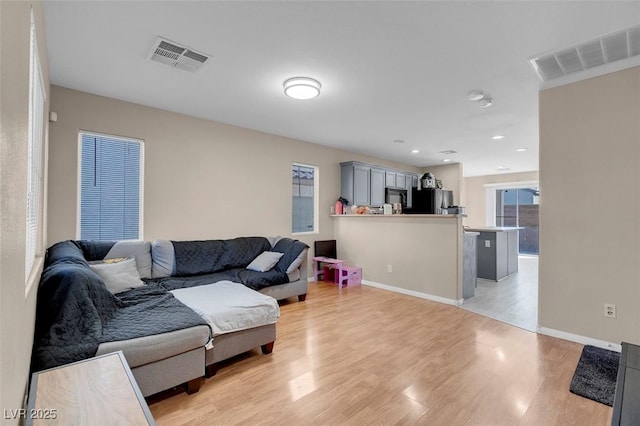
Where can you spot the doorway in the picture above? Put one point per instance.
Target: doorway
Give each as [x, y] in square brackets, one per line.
[520, 207]
[513, 300]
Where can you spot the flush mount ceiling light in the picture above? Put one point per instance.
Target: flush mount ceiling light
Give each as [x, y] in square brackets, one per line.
[415, 151]
[497, 137]
[446, 160]
[302, 88]
[486, 101]
[481, 98]
[521, 149]
[475, 95]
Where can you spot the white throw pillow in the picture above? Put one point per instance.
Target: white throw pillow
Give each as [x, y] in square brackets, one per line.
[118, 275]
[265, 261]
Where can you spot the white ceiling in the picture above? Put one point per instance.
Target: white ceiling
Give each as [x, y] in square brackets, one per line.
[389, 69]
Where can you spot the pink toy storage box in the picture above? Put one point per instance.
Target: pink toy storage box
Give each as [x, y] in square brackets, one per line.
[351, 275]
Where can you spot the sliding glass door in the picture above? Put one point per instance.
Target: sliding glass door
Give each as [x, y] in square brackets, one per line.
[520, 207]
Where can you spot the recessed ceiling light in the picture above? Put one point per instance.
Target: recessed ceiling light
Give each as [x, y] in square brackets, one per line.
[415, 151]
[398, 141]
[448, 152]
[503, 168]
[521, 149]
[497, 137]
[446, 160]
[302, 88]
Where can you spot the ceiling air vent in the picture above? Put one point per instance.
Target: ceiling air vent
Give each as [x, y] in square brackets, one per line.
[176, 56]
[619, 48]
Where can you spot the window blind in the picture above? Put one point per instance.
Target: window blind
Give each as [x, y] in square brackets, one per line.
[110, 188]
[303, 180]
[37, 101]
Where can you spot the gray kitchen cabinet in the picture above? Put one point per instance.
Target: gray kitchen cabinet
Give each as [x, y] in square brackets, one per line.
[512, 252]
[390, 179]
[497, 252]
[365, 184]
[395, 180]
[469, 264]
[355, 183]
[377, 186]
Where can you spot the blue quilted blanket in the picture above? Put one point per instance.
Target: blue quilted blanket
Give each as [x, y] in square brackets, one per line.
[75, 312]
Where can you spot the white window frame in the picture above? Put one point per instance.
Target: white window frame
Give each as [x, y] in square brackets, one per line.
[316, 199]
[79, 178]
[35, 166]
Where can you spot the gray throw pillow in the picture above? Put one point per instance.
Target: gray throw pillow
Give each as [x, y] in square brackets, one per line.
[140, 250]
[265, 261]
[118, 274]
[164, 259]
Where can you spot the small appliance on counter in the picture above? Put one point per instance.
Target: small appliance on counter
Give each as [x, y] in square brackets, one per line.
[397, 208]
[387, 208]
[395, 196]
[428, 181]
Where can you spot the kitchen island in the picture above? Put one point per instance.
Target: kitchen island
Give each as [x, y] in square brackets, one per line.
[497, 251]
[420, 255]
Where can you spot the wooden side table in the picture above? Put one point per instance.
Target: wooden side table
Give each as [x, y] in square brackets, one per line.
[95, 391]
[317, 270]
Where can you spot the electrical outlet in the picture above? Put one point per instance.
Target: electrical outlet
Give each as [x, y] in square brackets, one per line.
[389, 268]
[609, 310]
[487, 243]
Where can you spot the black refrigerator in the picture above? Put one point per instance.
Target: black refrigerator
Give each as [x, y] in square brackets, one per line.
[430, 201]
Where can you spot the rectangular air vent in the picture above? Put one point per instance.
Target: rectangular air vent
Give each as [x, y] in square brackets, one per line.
[608, 49]
[176, 56]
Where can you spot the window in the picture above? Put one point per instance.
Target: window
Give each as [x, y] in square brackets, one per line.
[305, 198]
[515, 204]
[34, 153]
[110, 187]
[520, 207]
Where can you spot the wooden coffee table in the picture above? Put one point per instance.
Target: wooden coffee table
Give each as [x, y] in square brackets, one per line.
[96, 391]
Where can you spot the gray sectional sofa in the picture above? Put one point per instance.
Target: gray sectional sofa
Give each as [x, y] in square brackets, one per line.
[83, 311]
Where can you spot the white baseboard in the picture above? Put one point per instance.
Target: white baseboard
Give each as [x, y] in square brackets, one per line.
[413, 293]
[579, 339]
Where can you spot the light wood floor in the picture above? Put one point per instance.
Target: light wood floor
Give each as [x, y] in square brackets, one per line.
[367, 356]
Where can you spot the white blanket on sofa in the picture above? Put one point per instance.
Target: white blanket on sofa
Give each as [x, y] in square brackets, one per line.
[229, 306]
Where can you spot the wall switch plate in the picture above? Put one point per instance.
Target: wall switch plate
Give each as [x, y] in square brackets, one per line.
[609, 310]
[389, 268]
[487, 243]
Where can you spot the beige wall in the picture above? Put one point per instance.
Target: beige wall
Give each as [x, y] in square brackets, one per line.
[202, 179]
[425, 253]
[17, 310]
[475, 193]
[590, 207]
[451, 176]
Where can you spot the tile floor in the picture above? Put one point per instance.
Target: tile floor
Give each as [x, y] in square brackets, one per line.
[513, 300]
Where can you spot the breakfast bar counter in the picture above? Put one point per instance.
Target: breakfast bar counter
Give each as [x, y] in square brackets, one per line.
[416, 254]
[400, 216]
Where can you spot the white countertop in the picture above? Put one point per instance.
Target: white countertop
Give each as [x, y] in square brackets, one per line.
[495, 229]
